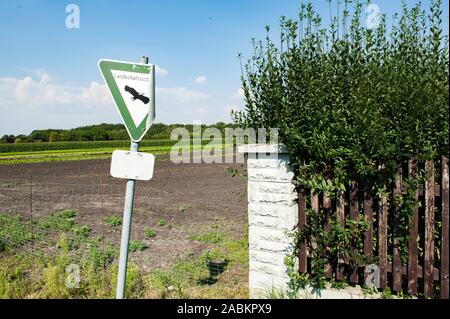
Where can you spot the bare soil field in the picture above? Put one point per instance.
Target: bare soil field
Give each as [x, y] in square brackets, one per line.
[180, 202]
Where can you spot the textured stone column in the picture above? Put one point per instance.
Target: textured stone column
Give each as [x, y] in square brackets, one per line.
[272, 210]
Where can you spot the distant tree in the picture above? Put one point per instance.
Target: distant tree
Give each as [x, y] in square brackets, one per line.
[8, 138]
[97, 134]
[117, 134]
[83, 136]
[40, 135]
[53, 137]
[21, 139]
[104, 131]
[67, 135]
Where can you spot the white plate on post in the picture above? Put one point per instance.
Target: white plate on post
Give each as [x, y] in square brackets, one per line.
[132, 165]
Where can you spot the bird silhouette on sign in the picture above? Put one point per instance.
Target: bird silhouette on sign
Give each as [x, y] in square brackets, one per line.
[136, 95]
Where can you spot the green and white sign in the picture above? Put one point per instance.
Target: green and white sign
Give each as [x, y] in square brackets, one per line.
[132, 87]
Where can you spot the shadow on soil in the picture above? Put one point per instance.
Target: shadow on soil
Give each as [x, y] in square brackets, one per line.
[215, 269]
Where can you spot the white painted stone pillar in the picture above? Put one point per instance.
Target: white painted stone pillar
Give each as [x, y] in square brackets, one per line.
[272, 210]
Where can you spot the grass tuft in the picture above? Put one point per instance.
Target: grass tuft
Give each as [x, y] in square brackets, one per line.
[211, 236]
[150, 233]
[137, 245]
[113, 220]
[161, 222]
[62, 220]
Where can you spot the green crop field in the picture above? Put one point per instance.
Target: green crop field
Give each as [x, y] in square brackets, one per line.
[67, 151]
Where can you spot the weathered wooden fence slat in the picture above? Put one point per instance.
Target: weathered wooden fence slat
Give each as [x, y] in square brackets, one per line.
[314, 202]
[382, 240]
[396, 261]
[315, 208]
[368, 216]
[327, 211]
[429, 230]
[303, 265]
[340, 203]
[340, 208]
[444, 230]
[327, 215]
[354, 215]
[413, 236]
[377, 237]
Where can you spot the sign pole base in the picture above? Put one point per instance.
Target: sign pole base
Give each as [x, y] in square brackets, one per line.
[126, 229]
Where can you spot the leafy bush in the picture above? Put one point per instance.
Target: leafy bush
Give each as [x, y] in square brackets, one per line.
[137, 245]
[353, 100]
[14, 276]
[352, 104]
[13, 231]
[113, 220]
[81, 232]
[150, 232]
[99, 256]
[161, 222]
[232, 171]
[212, 236]
[62, 220]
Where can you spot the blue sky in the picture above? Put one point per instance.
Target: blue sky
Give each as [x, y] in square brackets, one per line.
[49, 76]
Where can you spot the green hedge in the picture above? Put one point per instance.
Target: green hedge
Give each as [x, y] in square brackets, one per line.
[353, 100]
[352, 104]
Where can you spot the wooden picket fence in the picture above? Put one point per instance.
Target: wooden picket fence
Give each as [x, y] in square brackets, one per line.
[423, 272]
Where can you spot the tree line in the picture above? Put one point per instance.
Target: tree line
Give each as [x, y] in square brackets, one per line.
[102, 132]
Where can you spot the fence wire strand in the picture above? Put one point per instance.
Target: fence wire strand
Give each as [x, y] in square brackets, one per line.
[180, 214]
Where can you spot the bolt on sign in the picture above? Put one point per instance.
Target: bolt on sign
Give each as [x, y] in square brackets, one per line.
[132, 87]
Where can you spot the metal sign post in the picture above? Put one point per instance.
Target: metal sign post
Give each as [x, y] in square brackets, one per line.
[126, 225]
[132, 88]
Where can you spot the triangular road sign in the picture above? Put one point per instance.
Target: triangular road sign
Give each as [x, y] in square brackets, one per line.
[132, 87]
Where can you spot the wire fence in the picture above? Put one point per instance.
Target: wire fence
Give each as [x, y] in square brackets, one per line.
[185, 211]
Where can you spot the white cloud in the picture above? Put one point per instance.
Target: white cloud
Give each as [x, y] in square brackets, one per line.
[231, 107]
[161, 71]
[238, 95]
[95, 92]
[236, 103]
[201, 79]
[42, 75]
[180, 95]
[180, 104]
[40, 93]
[37, 103]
